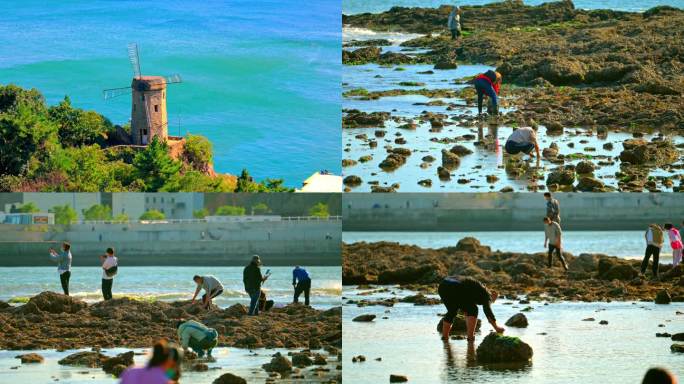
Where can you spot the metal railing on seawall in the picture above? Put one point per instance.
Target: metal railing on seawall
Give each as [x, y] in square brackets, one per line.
[186, 221]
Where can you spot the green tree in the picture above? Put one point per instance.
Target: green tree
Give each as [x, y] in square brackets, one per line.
[245, 183]
[29, 207]
[152, 214]
[21, 135]
[230, 210]
[154, 165]
[98, 212]
[260, 209]
[319, 210]
[64, 214]
[197, 152]
[121, 218]
[196, 181]
[200, 213]
[77, 127]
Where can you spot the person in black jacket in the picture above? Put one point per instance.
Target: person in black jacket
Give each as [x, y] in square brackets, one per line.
[465, 295]
[252, 278]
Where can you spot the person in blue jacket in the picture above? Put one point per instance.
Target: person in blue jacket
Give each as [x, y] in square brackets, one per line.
[302, 283]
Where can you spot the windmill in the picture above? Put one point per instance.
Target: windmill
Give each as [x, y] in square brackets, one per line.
[148, 113]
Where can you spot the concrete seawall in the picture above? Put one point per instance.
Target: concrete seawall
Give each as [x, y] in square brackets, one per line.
[309, 242]
[503, 211]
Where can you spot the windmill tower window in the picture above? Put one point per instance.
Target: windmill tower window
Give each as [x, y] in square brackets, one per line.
[156, 108]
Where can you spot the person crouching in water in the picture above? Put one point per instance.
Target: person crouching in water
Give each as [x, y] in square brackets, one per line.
[63, 260]
[654, 241]
[675, 244]
[212, 288]
[163, 368]
[110, 266]
[197, 336]
[523, 140]
[553, 236]
[489, 84]
[302, 283]
[465, 295]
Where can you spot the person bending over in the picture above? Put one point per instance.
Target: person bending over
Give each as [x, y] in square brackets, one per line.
[212, 288]
[523, 140]
[465, 295]
[164, 366]
[63, 260]
[302, 283]
[489, 84]
[197, 336]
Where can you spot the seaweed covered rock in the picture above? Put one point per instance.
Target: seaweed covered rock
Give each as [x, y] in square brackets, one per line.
[90, 359]
[354, 118]
[279, 363]
[53, 303]
[497, 348]
[30, 358]
[663, 297]
[561, 176]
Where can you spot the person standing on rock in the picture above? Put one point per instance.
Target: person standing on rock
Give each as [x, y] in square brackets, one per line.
[454, 23]
[63, 259]
[252, 278]
[488, 83]
[465, 295]
[212, 288]
[110, 266]
[675, 244]
[163, 368]
[302, 283]
[552, 208]
[553, 237]
[523, 140]
[197, 336]
[654, 241]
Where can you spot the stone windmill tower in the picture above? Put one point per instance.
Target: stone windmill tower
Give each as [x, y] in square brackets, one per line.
[148, 110]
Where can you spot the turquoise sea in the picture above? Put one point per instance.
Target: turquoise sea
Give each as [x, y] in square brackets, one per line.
[350, 7]
[261, 79]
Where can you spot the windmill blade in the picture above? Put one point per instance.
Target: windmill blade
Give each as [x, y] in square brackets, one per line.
[134, 57]
[175, 78]
[115, 92]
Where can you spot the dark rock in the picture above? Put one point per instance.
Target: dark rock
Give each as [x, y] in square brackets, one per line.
[30, 358]
[398, 378]
[279, 363]
[229, 378]
[352, 181]
[364, 318]
[518, 321]
[663, 297]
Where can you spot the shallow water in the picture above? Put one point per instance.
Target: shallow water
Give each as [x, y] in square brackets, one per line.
[576, 144]
[261, 82]
[168, 284]
[350, 7]
[572, 351]
[625, 244]
[241, 362]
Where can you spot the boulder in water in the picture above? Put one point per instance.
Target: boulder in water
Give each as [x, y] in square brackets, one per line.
[398, 378]
[364, 318]
[663, 297]
[90, 359]
[229, 378]
[30, 358]
[518, 320]
[496, 348]
[679, 348]
[279, 363]
[113, 365]
[301, 360]
[677, 337]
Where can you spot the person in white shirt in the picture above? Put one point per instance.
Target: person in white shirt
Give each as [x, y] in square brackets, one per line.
[454, 23]
[110, 266]
[523, 140]
[212, 288]
[654, 242]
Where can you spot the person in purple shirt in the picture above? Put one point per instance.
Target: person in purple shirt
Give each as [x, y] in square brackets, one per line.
[163, 367]
[301, 281]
